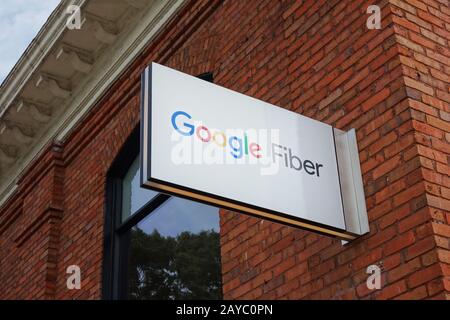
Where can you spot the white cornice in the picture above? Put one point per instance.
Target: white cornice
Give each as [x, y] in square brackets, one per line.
[111, 62]
[36, 52]
[118, 60]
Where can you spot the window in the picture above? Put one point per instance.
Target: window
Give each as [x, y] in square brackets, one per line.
[174, 253]
[133, 196]
[157, 246]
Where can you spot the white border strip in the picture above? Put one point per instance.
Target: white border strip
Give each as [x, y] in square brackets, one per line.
[355, 211]
[357, 182]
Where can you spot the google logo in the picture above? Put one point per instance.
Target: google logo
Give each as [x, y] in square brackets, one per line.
[239, 146]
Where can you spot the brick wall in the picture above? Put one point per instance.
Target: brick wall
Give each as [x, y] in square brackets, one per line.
[423, 32]
[313, 57]
[392, 86]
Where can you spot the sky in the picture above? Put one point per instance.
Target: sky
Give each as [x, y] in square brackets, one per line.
[20, 22]
[171, 218]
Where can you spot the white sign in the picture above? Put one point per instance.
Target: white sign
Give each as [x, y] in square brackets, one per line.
[217, 146]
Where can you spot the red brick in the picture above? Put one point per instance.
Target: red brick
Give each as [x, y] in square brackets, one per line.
[412, 63]
[443, 168]
[416, 294]
[429, 258]
[337, 274]
[405, 23]
[419, 86]
[422, 41]
[441, 146]
[394, 216]
[424, 275]
[432, 101]
[386, 167]
[427, 129]
[371, 163]
[441, 229]
[390, 190]
[403, 270]
[413, 220]
[380, 210]
[398, 146]
[376, 99]
[444, 255]
[438, 123]
[409, 194]
[420, 247]
[381, 237]
[355, 79]
[399, 243]
[418, 4]
[392, 290]
[404, 5]
[431, 154]
[391, 262]
[296, 271]
[417, 20]
[367, 259]
[409, 44]
[430, 18]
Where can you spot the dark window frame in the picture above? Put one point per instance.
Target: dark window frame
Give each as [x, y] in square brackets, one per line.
[116, 232]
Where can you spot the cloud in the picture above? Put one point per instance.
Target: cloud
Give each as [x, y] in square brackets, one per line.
[20, 22]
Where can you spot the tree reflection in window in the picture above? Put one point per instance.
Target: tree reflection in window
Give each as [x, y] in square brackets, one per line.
[175, 253]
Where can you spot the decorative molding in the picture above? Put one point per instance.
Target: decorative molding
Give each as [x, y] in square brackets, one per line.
[101, 34]
[49, 82]
[138, 4]
[35, 54]
[119, 60]
[74, 59]
[6, 158]
[33, 111]
[73, 103]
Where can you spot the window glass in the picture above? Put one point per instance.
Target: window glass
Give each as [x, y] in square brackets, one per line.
[133, 196]
[175, 253]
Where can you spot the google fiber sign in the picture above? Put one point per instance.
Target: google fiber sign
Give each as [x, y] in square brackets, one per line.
[214, 145]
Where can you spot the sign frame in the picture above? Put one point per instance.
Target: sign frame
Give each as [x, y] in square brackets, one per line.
[350, 180]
